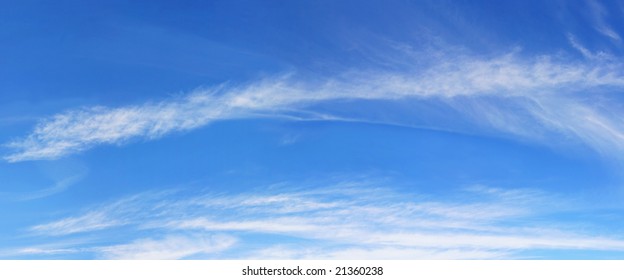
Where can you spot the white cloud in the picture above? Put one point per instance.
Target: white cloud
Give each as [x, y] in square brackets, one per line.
[391, 253]
[174, 246]
[170, 247]
[58, 187]
[94, 220]
[532, 85]
[586, 52]
[118, 213]
[508, 241]
[575, 44]
[599, 15]
[343, 220]
[376, 253]
[41, 251]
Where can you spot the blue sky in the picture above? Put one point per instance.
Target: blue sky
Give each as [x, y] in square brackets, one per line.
[311, 129]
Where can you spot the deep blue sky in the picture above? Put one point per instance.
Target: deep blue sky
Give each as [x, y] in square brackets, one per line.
[311, 129]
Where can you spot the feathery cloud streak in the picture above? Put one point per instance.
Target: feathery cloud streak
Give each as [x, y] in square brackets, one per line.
[548, 92]
[599, 15]
[340, 221]
[171, 247]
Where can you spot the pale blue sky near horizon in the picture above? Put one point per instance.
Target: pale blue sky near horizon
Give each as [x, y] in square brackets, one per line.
[311, 129]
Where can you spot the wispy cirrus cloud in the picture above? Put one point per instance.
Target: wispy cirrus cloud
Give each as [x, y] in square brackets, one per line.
[599, 16]
[535, 98]
[119, 213]
[170, 247]
[58, 187]
[354, 253]
[596, 56]
[346, 220]
[90, 221]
